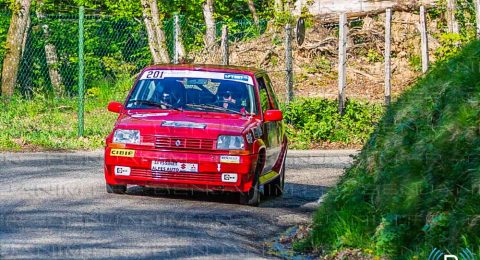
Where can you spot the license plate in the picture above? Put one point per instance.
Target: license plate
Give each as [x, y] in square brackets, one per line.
[163, 166]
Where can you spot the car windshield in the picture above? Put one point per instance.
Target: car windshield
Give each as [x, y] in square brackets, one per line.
[194, 91]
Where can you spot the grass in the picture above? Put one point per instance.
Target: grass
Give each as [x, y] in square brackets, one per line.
[416, 184]
[44, 123]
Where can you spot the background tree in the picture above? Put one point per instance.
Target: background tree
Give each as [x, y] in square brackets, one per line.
[15, 45]
[251, 6]
[156, 35]
[210, 35]
[50, 54]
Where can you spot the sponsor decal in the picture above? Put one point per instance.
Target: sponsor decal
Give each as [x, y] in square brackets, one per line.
[241, 77]
[122, 153]
[122, 171]
[164, 166]
[229, 177]
[152, 74]
[267, 177]
[229, 159]
[249, 138]
[162, 74]
[183, 124]
[257, 132]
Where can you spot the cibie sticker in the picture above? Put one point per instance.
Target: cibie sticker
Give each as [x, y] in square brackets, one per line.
[122, 171]
[229, 177]
[229, 159]
[122, 152]
[152, 74]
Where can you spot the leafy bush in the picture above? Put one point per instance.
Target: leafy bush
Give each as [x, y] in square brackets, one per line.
[416, 184]
[314, 120]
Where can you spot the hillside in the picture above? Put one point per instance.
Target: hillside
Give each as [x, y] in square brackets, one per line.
[315, 62]
[415, 185]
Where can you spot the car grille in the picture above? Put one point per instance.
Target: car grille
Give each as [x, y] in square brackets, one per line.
[203, 177]
[183, 143]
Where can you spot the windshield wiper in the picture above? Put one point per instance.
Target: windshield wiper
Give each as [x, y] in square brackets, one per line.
[154, 104]
[218, 108]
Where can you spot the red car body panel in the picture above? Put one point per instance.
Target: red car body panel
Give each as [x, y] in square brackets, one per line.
[198, 146]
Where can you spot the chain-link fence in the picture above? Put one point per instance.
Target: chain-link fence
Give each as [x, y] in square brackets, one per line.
[114, 47]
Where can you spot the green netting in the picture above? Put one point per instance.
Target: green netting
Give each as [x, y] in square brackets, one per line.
[114, 47]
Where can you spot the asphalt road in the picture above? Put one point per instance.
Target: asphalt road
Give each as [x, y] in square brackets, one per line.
[54, 205]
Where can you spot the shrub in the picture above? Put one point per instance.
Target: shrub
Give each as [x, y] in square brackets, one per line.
[313, 120]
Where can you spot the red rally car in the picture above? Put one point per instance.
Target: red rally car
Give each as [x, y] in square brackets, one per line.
[202, 127]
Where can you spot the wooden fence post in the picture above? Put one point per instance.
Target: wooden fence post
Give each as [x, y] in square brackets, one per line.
[342, 62]
[477, 15]
[423, 31]
[451, 19]
[388, 70]
[224, 46]
[289, 62]
[176, 36]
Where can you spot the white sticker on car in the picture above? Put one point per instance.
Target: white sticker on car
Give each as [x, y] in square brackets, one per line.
[229, 159]
[229, 177]
[122, 171]
[164, 166]
[162, 74]
[152, 74]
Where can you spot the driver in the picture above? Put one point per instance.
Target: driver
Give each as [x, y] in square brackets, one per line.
[227, 99]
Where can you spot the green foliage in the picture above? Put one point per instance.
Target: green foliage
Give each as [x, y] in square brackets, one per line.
[43, 123]
[316, 120]
[416, 184]
[373, 56]
[449, 45]
[319, 65]
[415, 62]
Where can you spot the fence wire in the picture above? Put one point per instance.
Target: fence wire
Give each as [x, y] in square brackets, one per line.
[114, 47]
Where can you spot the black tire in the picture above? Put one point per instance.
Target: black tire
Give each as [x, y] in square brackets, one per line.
[276, 187]
[252, 197]
[117, 189]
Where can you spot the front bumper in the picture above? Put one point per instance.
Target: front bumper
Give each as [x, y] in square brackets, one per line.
[208, 177]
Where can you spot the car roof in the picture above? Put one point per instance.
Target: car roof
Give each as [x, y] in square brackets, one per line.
[208, 67]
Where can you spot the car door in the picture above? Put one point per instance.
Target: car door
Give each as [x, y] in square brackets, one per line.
[270, 129]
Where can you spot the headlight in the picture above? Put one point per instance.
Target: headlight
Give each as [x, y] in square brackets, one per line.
[126, 136]
[227, 142]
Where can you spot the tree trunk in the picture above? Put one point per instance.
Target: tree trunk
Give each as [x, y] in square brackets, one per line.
[15, 44]
[152, 43]
[251, 6]
[159, 33]
[51, 57]
[210, 35]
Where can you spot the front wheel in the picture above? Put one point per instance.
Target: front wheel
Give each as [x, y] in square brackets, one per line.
[117, 189]
[252, 197]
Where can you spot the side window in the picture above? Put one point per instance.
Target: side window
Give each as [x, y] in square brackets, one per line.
[264, 99]
[273, 98]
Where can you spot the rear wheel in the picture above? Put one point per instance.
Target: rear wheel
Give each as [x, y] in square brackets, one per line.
[252, 197]
[276, 187]
[117, 189]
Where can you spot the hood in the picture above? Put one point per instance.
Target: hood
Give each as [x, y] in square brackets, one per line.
[185, 124]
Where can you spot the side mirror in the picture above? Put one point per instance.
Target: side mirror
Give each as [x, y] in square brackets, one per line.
[273, 115]
[115, 107]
